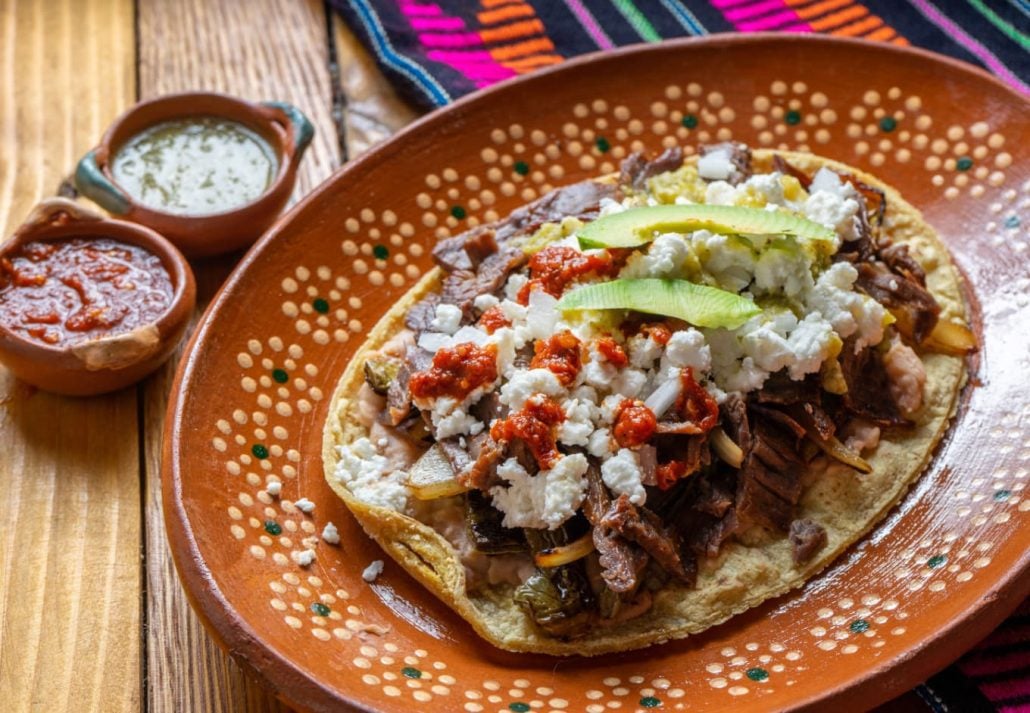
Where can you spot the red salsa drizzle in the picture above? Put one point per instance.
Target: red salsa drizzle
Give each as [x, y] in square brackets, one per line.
[559, 353]
[456, 372]
[553, 268]
[73, 291]
[534, 425]
[666, 474]
[493, 319]
[695, 404]
[612, 351]
[635, 423]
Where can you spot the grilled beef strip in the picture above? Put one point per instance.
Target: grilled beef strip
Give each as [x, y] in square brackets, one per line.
[635, 169]
[640, 525]
[912, 305]
[807, 538]
[622, 562]
[868, 394]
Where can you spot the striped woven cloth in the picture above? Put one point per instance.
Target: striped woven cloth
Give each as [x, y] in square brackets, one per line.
[438, 50]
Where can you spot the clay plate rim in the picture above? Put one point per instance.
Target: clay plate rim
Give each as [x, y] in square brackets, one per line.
[298, 689]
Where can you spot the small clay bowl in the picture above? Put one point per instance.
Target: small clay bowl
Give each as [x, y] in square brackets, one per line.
[283, 126]
[99, 365]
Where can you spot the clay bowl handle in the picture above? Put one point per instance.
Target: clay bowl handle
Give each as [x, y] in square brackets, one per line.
[92, 182]
[297, 124]
[53, 212]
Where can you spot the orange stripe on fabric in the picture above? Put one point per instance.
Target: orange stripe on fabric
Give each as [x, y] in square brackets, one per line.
[857, 28]
[839, 18]
[514, 31]
[541, 44]
[531, 63]
[820, 8]
[507, 12]
[881, 35]
[497, 3]
[900, 41]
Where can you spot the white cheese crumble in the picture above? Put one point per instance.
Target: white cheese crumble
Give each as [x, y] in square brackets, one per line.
[447, 319]
[665, 257]
[600, 443]
[847, 311]
[687, 348]
[304, 505]
[524, 383]
[715, 165]
[643, 351]
[629, 382]
[622, 474]
[330, 534]
[274, 488]
[546, 499]
[833, 211]
[575, 430]
[485, 302]
[363, 471]
[373, 571]
[304, 557]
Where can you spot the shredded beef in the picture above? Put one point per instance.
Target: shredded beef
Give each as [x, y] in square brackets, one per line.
[475, 463]
[622, 562]
[635, 169]
[868, 393]
[421, 314]
[740, 157]
[759, 505]
[807, 538]
[643, 527]
[898, 259]
[914, 307]
[463, 286]
[735, 421]
[489, 407]
[781, 389]
[769, 480]
[785, 167]
[647, 456]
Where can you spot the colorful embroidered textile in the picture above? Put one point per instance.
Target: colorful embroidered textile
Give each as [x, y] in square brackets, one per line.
[438, 50]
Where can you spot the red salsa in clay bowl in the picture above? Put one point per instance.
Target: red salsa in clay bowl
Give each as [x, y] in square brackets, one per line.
[89, 305]
[208, 171]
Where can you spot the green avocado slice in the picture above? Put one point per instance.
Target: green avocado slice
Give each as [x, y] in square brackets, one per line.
[637, 226]
[695, 304]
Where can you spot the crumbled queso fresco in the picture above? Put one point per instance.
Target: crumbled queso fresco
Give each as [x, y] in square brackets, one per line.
[809, 306]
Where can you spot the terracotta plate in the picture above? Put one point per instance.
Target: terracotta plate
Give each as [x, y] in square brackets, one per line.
[252, 394]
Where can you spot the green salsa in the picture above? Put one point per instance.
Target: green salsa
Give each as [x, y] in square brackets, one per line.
[195, 166]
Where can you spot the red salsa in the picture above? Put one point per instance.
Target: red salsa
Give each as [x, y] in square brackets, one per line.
[612, 351]
[695, 404]
[73, 291]
[560, 354]
[635, 423]
[553, 268]
[493, 319]
[456, 372]
[534, 425]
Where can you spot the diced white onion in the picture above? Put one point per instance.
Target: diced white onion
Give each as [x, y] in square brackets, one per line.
[662, 398]
[433, 341]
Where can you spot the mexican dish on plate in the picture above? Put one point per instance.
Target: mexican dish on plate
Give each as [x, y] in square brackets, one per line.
[647, 402]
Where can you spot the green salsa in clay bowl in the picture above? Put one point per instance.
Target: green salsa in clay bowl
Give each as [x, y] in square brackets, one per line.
[208, 171]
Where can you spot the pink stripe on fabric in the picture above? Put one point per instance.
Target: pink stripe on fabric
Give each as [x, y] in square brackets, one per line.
[1006, 689]
[980, 666]
[769, 22]
[412, 10]
[729, 3]
[759, 8]
[459, 39]
[960, 36]
[437, 23]
[473, 65]
[589, 24]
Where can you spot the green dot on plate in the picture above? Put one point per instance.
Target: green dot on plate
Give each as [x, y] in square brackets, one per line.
[1012, 221]
[602, 144]
[518, 707]
[320, 609]
[458, 212]
[936, 561]
[964, 164]
[521, 168]
[273, 528]
[859, 625]
[793, 117]
[650, 702]
[1001, 495]
[320, 305]
[757, 674]
[280, 376]
[689, 121]
[888, 123]
[381, 252]
[259, 451]
[410, 672]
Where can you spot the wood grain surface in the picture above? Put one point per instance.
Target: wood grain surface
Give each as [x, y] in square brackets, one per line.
[69, 468]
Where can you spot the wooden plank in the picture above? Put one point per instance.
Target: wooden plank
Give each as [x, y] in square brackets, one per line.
[69, 468]
[257, 49]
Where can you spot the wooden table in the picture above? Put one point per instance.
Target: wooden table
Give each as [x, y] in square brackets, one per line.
[92, 616]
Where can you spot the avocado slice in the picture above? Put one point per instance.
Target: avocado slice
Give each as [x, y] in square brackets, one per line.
[695, 304]
[638, 226]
